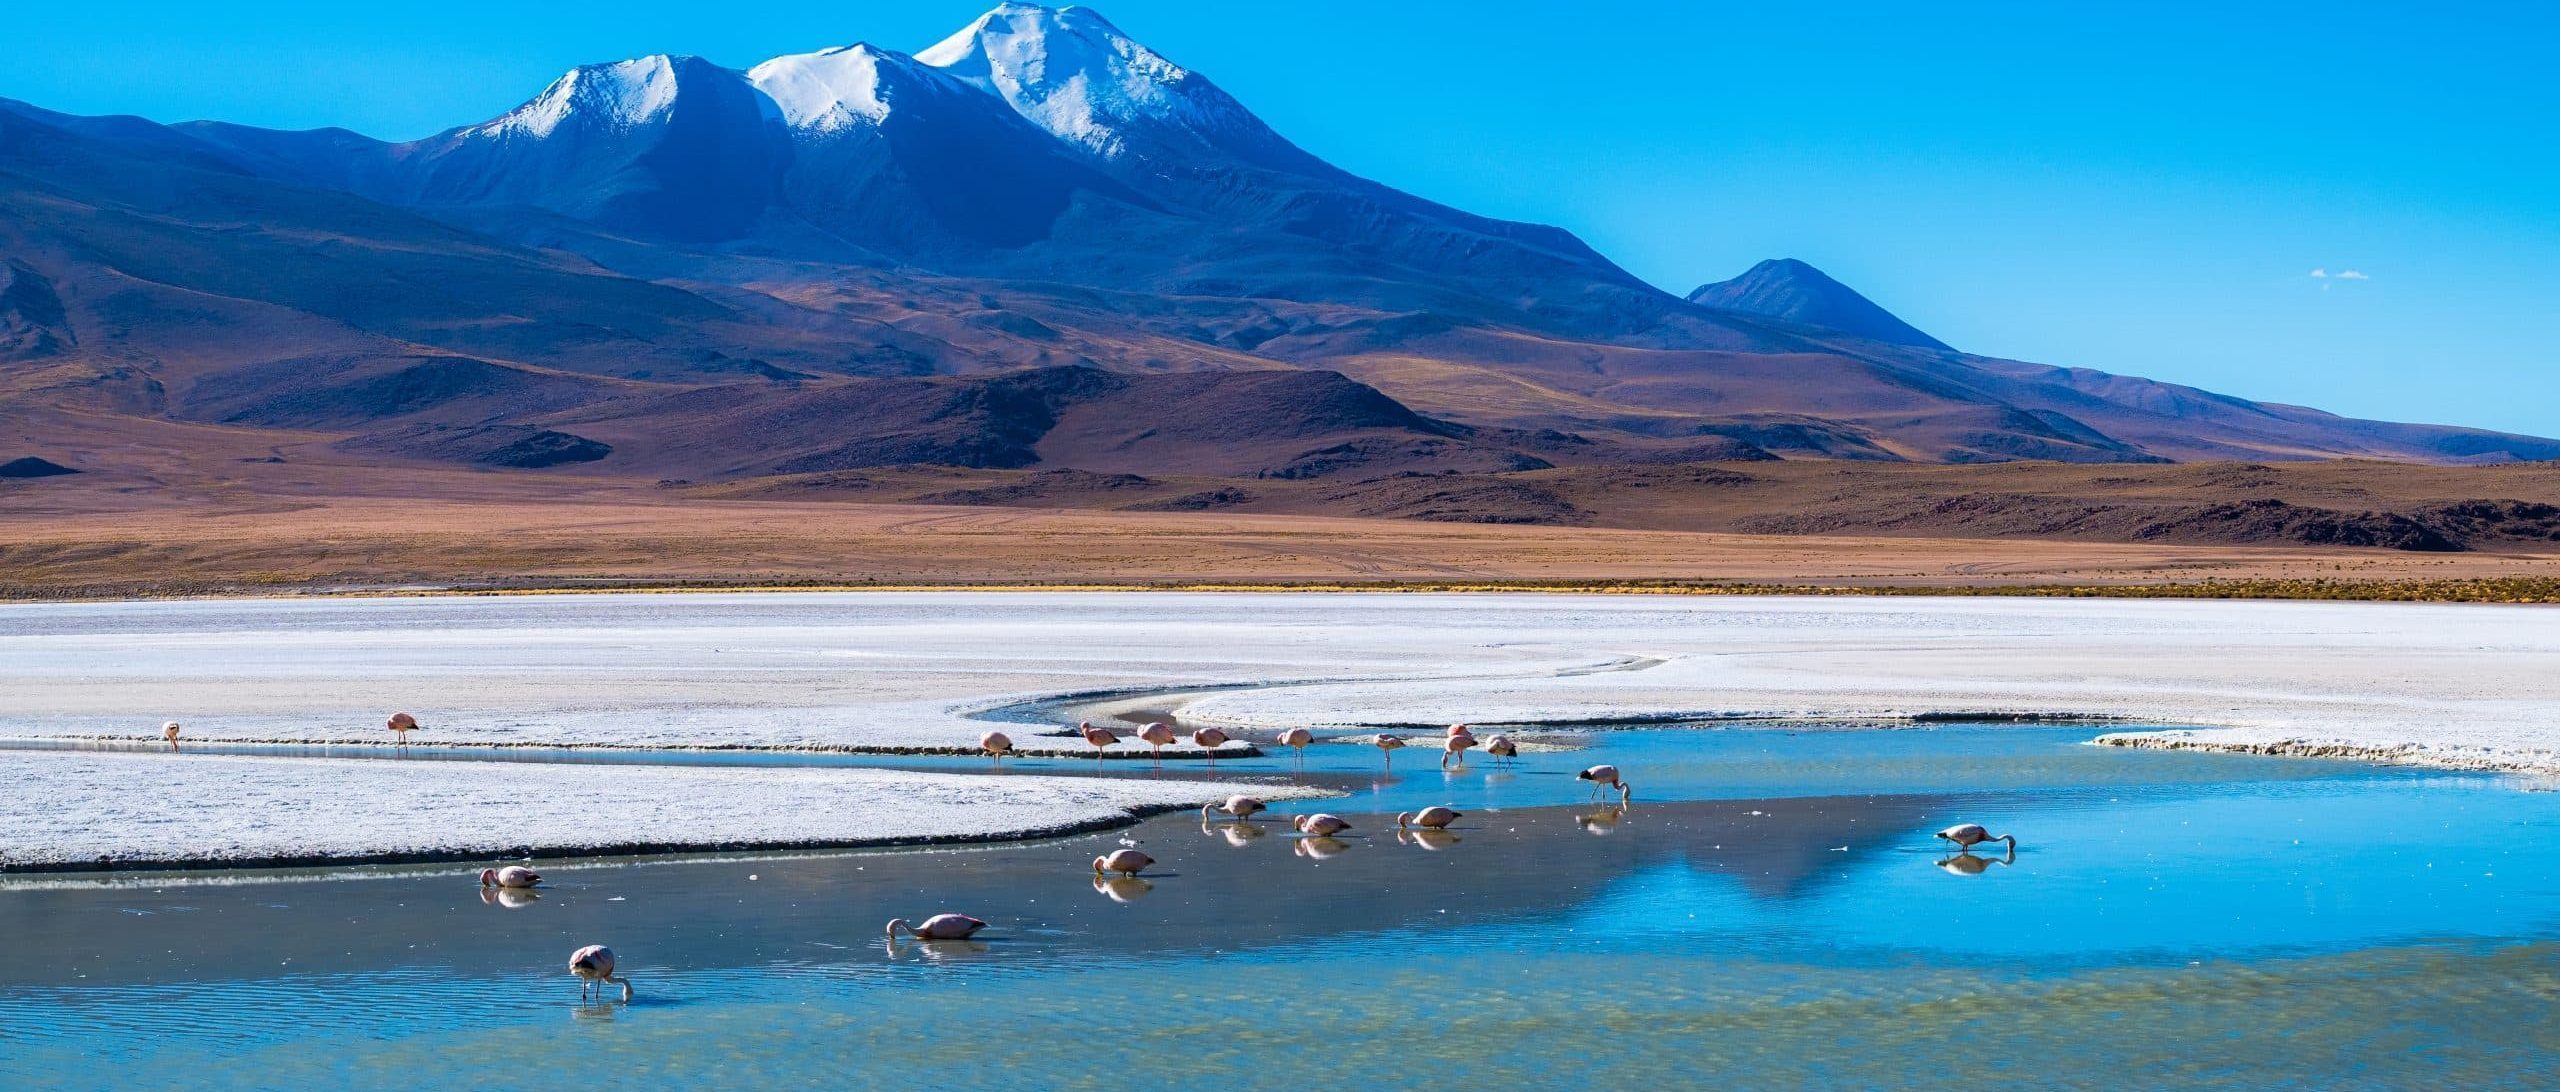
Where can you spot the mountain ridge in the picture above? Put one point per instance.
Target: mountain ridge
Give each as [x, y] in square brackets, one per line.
[642, 229]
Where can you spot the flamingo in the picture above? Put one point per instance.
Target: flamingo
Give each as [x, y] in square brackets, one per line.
[1242, 807]
[1606, 776]
[401, 724]
[1456, 746]
[1296, 739]
[1321, 825]
[1460, 730]
[1127, 862]
[169, 732]
[510, 876]
[1968, 835]
[1434, 817]
[1157, 735]
[1501, 747]
[995, 744]
[1387, 744]
[1209, 739]
[937, 927]
[1099, 737]
[593, 965]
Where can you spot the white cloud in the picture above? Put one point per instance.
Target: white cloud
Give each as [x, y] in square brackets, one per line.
[2327, 278]
[2352, 275]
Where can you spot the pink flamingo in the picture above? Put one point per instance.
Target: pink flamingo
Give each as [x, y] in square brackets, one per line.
[593, 965]
[1127, 862]
[995, 744]
[937, 927]
[1455, 747]
[1321, 825]
[169, 732]
[1209, 739]
[1460, 730]
[401, 724]
[1099, 737]
[1501, 747]
[1606, 776]
[1242, 807]
[1387, 744]
[510, 876]
[1434, 817]
[1968, 835]
[1296, 739]
[1157, 735]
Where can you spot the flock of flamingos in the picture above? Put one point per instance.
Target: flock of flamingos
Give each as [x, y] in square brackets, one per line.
[594, 964]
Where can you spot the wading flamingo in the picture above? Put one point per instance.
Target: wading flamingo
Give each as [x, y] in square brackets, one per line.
[1296, 739]
[1209, 739]
[1127, 862]
[1501, 747]
[937, 927]
[1968, 835]
[995, 744]
[1455, 747]
[1157, 735]
[1602, 777]
[1242, 807]
[1387, 744]
[511, 876]
[1460, 730]
[593, 965]
[401, 724]
[1321, 825]
[1434, 817]
[1099, 737]
[169, 732]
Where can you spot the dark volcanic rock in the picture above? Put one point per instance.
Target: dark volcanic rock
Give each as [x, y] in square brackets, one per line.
[33, 467]
[508, 446]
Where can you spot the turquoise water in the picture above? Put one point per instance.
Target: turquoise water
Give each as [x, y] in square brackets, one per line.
[1771, 911]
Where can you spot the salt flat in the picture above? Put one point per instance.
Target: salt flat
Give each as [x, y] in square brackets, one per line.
[71, 808]
[2444, 685]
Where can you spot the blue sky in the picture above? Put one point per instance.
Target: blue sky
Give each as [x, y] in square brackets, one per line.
[2141, 188]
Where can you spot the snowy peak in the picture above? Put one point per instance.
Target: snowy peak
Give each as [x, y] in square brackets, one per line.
[1069, 71]
[842, 88]
[1787, 289]
[624, 94]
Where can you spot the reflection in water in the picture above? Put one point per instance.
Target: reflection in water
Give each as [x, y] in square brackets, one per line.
[1320, 847]
[1966, 864]
[1122, 888]
[1238, 834]
[937, 950]
[1427, 837]
[512, 898]
[1603, 821]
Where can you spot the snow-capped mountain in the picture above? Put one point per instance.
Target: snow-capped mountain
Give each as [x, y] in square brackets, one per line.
[1038, 190]
[1076, 76]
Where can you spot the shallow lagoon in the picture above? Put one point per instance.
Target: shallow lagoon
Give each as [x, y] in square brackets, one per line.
[1771, 911]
